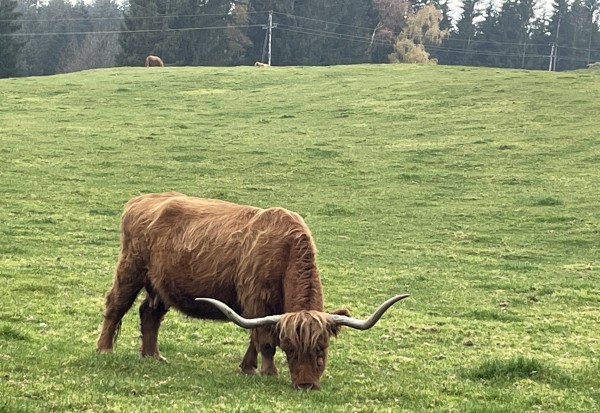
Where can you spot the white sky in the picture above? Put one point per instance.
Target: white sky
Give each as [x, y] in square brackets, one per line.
[456, 9]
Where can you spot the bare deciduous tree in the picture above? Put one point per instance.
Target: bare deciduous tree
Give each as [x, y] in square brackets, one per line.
[422, 28]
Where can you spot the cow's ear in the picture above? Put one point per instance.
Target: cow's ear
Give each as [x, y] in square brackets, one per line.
[335, 329]
[341, 311]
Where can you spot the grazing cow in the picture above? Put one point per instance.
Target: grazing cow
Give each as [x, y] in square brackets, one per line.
[209, 259]
[154, 61]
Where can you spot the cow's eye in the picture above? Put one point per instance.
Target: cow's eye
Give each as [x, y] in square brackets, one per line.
[285, 345]
[289, 354]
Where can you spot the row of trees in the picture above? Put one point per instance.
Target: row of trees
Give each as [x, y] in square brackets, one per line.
[40, 38]
[516, 36]
[44, 38]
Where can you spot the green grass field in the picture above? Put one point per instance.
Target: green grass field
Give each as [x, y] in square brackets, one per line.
[474, 190]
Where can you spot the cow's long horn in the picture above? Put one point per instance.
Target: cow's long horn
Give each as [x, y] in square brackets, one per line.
[238, 319]
[372, 320]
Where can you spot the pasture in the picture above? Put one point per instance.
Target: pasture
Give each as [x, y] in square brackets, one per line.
[474, 190]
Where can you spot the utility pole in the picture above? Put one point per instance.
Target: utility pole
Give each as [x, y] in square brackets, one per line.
[269, 27]
[551, 57]
[590, 47]
[556, 50]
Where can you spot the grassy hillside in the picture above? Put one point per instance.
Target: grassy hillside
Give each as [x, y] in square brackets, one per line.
[474, 190]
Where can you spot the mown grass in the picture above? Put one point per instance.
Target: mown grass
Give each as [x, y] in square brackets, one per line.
[474, 190]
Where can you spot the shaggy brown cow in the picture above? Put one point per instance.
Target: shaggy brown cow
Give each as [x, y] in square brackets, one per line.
[154, 61]
[257, 262]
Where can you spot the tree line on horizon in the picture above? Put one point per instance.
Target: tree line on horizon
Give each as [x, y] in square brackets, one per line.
[57, 36]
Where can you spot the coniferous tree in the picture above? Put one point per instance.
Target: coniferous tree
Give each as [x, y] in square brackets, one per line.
[584, 30]
[540, 49]
[142, 32]
[446, 22]
[100, 46]
[459, 45]
[524, 22]
[592, 30]
[56, 31]
[512, 32]
[340, 31]
[206, 33]
[488, 52]
[10, 45]
[312, 32]
[355, 20]
[559, 29]
[185, 32]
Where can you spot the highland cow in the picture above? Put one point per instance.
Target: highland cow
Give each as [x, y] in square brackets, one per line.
[209, 259]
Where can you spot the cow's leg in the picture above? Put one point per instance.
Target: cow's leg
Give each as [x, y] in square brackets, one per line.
[267, 352]
[128, 282]
[249, 364]
[152, 311]
[261, 340]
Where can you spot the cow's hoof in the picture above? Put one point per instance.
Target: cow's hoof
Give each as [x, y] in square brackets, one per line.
[156, 356]
[104, 350]
[269, 371]
[248, 370]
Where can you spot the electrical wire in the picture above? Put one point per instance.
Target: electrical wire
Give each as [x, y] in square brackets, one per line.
[122, 16]
[294, 29]
[184, 29]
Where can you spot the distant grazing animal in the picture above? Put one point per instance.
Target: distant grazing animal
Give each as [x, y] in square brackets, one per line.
[261, 64]
[195, 253]
[594, 66]
[154, 61]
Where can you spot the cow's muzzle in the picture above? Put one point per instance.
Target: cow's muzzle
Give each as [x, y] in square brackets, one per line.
[307, 386]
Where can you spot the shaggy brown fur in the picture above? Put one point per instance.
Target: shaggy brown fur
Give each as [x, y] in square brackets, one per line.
[258, 261]
[154, 61]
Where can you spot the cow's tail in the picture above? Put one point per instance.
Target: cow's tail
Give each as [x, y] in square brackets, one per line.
[117, 331]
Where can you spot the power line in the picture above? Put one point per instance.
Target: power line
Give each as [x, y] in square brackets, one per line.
[483, 52]
[122, 17]
[294, 29]
[328, 34]
[128, 31]
[297, 29]
[370, 29]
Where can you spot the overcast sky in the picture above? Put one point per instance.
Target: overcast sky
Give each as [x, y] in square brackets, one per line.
[456, 7]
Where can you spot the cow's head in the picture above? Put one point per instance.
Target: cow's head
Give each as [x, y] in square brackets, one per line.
[304, 336]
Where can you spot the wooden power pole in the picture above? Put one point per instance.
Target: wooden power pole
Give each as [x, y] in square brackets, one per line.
[269, 27]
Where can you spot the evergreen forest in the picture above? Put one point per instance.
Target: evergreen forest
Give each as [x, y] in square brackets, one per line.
[58, 36]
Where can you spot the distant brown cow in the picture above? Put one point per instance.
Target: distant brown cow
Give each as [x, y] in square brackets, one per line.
[154, 61]
[241, 259]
